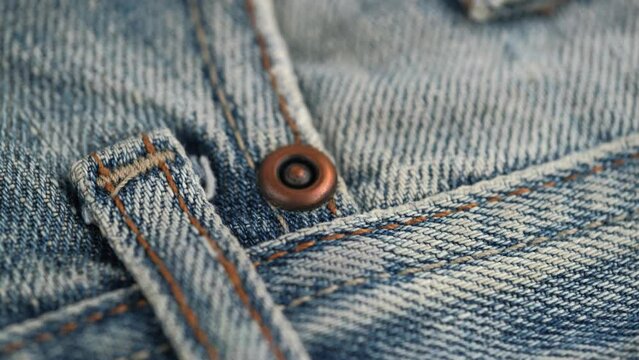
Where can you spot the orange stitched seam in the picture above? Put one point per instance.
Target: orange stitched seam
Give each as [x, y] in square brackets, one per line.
[331, 205]
[213, 80]
[71, 326]
[266, 64]
[229, 267]
[178, 294]
[455, 261]
[420, 219]
[207, 57]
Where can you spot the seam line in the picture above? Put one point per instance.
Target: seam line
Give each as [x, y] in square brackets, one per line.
[282, 103]
[207, 58]
[230, 269]
[302, 246]
[266, 64]
[362, 281]
[179, 296]
[71, 326]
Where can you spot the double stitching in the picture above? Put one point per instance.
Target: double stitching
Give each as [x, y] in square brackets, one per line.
[266, 64]
[230, 269]
[422, 218]
[362, 281]
[179, 296]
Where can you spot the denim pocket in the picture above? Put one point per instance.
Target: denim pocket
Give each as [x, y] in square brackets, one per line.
[143, 195]
[538, 263]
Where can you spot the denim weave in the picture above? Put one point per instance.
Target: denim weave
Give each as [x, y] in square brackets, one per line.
[414, 99]
[191, 269]
[540, 263]
[487, 199]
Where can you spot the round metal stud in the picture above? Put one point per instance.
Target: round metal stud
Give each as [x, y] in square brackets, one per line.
[297, 177]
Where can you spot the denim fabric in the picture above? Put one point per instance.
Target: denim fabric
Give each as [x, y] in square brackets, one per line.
[49, 257]
[118, 324]
[540, 263]
[488, 179]
[77, 75]
[413, 99]
[190, 268]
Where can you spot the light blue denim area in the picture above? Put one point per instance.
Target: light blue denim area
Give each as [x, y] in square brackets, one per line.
[488, 179]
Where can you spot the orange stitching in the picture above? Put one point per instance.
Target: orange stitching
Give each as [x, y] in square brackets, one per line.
[520, 191]
[415, 220]
[276, 255]
[361, 231]
[95, 317]
[420, 219]
[281, 100]
[334, 237]
[266, 64]
[213, 79]
[178, 295]
[122, 308]
[467, 207]
[68, 328]
[44, 337]
[332, 206]
[229, 267]
[570, 177]
[207, 57]
[442, 214]
[455, 261]
[304, 245]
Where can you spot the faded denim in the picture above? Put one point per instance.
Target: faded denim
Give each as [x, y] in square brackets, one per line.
[488, 191]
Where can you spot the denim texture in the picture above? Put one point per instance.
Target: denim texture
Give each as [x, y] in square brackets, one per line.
[193, 272]
[488, 179]
[414, 99]
[540, 263]
[76, 75]
[50, 258]
[118, 324]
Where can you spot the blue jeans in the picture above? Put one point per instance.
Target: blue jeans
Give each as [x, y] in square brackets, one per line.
[487, 193]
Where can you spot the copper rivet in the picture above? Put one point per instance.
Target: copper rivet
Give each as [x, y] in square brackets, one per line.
[297, 177]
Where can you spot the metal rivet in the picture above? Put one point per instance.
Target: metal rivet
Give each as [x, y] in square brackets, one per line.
[297, 177]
